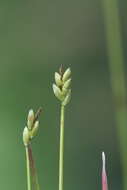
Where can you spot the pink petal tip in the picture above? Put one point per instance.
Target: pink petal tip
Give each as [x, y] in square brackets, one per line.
[104, 176]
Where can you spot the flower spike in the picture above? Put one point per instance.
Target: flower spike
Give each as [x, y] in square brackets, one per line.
[61, 88]
[62, 91]
[31, 129]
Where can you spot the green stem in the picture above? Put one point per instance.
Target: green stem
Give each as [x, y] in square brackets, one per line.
[28, 169]
[116, 65]
[61, 150]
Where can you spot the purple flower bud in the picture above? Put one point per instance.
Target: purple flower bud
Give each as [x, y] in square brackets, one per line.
[104, 176]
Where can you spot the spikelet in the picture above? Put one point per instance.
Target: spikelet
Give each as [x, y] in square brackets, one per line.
[31, 129]
[62, 87]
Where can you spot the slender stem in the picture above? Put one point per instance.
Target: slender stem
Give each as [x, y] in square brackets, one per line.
[28, 169]
[34, 176]
[116, 65]
[61, 150]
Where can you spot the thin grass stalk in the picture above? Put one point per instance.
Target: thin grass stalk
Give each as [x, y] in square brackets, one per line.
[116, 66]
[62, 91]
[28, 169]
[33, 171]
[29, 132]
[61, 150]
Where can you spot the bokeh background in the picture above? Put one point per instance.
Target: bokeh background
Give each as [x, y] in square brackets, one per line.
[36, 37]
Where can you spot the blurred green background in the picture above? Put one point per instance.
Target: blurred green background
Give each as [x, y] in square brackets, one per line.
[36, 38]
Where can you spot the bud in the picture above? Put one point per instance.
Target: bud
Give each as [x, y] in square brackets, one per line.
[30, 119]
[34, 130]
[58, 79]
[67, 84]
[67, 98]
[26, 136]
[66, 74]
[57, 92]
[104, 176]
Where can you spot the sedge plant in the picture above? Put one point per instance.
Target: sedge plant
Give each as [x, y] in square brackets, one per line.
[29, 133]
[62, 91]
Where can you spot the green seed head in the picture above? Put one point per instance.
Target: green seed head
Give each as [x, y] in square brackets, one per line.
[57, 92]
[34, 130]
[67, 84]
[32, 126]
[64, 92]
[31, 115]
[26, 136]
[30, 119]
[62, 87]
[66, 75]
[58, 79]
[67, 98]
